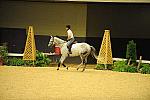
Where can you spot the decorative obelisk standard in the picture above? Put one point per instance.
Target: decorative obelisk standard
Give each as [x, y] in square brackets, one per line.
[30, 48]
[105, 54]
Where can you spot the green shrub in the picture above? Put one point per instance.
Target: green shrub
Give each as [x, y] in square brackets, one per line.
[125, 68]
[145, 69]
[131, 69]
[120, 69]
[28, 63]
[120, 63]
[41, 59]
[100, 67]
[15, 62]
[121, 66]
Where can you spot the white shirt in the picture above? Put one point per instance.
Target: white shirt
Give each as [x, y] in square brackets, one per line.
[70, 34]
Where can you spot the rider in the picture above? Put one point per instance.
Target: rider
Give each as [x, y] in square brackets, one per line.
[70, 38]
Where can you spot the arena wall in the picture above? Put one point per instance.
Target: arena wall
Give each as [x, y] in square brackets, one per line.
[127, 21]
[46, 17]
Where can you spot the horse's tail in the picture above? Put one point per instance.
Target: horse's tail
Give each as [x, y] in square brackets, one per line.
[93, 52]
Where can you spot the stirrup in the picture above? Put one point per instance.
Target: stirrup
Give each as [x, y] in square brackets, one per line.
[69, 51]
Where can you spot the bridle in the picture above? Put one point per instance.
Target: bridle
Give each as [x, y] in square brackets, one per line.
[51, 41]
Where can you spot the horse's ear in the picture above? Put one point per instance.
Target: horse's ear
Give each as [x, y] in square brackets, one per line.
[51, 36]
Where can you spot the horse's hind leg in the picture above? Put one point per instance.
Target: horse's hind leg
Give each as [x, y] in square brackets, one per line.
[84, 66]
[84, 62]
[81, 62]
[79, 65]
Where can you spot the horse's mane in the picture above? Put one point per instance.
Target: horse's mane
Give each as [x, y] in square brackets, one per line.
[59, 40]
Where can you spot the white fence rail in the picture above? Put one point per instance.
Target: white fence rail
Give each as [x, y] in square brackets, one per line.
[53, 54]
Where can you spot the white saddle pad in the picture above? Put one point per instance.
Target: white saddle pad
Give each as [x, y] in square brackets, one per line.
[73, 46]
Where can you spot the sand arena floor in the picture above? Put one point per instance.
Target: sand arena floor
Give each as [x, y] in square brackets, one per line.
[46, 83]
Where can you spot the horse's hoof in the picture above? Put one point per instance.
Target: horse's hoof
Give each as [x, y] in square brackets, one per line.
[67, 68]
[77, 68]
[57, 68]
[83, 70]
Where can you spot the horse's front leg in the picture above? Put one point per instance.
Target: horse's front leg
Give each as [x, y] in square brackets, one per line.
[61, 61]
[58, 66]
[65, 66]
[84, 62]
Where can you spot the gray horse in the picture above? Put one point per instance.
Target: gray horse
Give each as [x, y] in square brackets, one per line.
[78, 49]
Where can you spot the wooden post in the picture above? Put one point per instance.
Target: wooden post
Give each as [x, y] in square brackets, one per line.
[105, 66]
[140, 61]
[129, 61]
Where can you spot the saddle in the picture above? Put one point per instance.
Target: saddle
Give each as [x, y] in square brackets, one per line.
[74, 42]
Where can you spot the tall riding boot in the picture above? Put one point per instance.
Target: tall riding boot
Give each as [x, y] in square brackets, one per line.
[69, 49]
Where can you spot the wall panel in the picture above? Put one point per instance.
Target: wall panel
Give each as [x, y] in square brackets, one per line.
[125, 20]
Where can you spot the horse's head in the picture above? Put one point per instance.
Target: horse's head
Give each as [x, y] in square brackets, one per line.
[51, 41]
[56, 41]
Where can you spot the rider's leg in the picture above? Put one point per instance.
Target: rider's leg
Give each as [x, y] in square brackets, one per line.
[69, 44]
